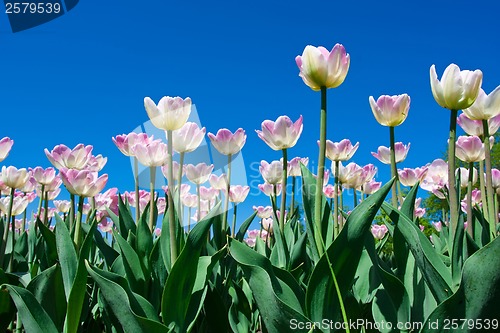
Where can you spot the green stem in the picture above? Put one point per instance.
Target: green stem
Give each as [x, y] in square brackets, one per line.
[189, 219]
[72, 213]
[198, 212]
[489, 188]
[40, 203]
[341, 207]
[336, 226]
[6, 228]
[292, 204]
[226, 202]
[394, 171]
[283, 192]
[452, 187]
[136, 188]
[46, 208]
[234, 221]
[318, 201]
[469, 200]
[355, 197]
[171, 212]
[180, 209]
[482, 187]
[13, 241]
[152, 174]
[78, 225]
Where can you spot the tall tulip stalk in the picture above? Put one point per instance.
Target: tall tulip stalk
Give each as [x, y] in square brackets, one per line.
[457, 90]
[487, 107]
[321, 69]
[391, 111]
[281, 135]
[169, 115]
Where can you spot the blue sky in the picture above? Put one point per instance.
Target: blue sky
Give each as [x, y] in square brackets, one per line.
[83, 77]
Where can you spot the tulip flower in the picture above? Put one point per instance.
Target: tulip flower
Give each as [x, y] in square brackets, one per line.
[271, 172]
[281, 134]
[228, 143]
[329, 191]
[470, 149]
[340, 151]
[436, 178]
[294, 166]
[189, 200]
[263, 211]
[105, 225]
[198, 174]
[320, 68]
[475, 127]
[153, 154]
[170, 114]
[418, 211]
[384, 154]
[437, 225]
[349, 176]
[44, 176]
[371, 187]
[63, 157]
[18, 206]
[84, 183]
[176, 170]
[208, 193]
[457, 89]
[495, 182]
[126, 142]
[62, 206]
[269, 189]
[187, 138]
[410, 177]
[379, 231]
[13, 177]
[369, 171]
[30, 185]
[485, 107]
[238, 193]
[218, 182]
[390, 110]
[5, 147]
[267, 224]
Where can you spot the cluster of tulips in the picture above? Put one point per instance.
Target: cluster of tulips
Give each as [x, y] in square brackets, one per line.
[280, 238]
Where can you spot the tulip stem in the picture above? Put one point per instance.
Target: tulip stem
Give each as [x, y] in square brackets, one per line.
[6, 229]
[283, 192]
[234, 221]
[469, 200]
[355, 198]
[40, 203]
[171, 212]
[482, 187]
[292, 204]
[71, 213]
[394, 172]
[318, 201]
[180, 209]
[226, 202]
[336, 226]
[198, 212]
[489, 188]
[136, 193]
[152, 174]
[451, 173]
[341, 207]
[78, 226]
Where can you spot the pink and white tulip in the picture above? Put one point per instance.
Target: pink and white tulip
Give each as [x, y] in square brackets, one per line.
[321, 68]
[198, 174]
[43, 176]
[379, 231]
[271, 172]
[409, 177]
[263, 211]
[63, 157]
[218, 182]
[293, 166]
[485, 107]
[282, 133]
[384, 153]
[187, 138]
[170, 114]
[475, 127]
[390, 110]
[14, 177]
[457, 89]
[126, 142]
[153, 154]
[228, 143]
[84, 183]
[340, 151]
[5, 147]
[470, 149]
[238, 193]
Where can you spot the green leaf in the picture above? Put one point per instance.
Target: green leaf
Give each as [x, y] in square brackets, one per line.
[67, 256]
[276, 299]
[46, 287]
[132, 264]
[181, 281]
[33, 316]
[244, 227]
[477, 297]
[125, 220]
[50, 242]
[308, 193]
[107, 252]
[7, 306]
[144, 240]
[321, 297]
[79, 285]
[118, 302]
[434, 271]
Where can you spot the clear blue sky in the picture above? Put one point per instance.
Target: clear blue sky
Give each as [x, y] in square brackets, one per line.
[83, 77]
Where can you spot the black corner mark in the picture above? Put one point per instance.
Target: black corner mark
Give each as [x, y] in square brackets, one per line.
[26, 14]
